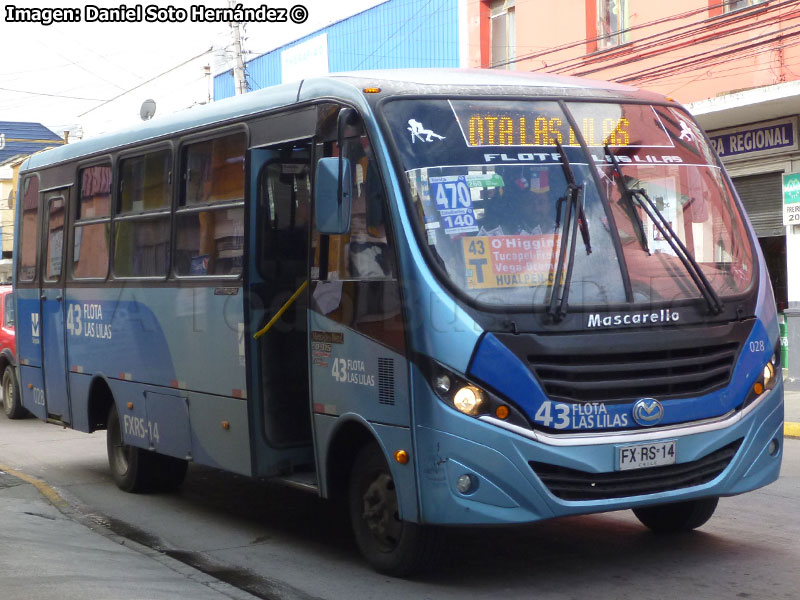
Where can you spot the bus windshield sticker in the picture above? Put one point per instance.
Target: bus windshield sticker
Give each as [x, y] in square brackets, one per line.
[419, 132]
[453, 200]
[501, 261]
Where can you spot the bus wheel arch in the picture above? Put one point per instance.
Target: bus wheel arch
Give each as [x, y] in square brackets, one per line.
[392, 546]
[345, 443]
[360, 478]
[99, 404]
[135, 469]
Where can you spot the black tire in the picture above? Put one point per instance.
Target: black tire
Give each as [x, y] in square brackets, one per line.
[679, 516]
[136, 469]
[12, 403]
[392, 546]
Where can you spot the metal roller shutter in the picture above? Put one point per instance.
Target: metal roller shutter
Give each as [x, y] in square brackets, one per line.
[762, 197]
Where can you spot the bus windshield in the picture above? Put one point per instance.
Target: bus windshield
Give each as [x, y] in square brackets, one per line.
[491, 190]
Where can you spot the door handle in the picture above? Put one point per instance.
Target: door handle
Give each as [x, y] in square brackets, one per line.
[59, 297]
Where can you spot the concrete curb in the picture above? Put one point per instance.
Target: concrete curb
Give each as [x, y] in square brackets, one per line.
[791, 430]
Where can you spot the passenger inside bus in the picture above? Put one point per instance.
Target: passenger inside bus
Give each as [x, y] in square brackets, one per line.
[525, 205]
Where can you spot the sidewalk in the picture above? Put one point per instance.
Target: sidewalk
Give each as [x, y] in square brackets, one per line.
[50, 553]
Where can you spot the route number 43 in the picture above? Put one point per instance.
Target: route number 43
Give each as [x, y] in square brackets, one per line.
[339, 370]
[545, 415]
[74, 320]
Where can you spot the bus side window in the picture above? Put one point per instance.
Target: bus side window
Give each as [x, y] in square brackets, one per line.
[142, 222]
[361, 290]
[29, 237]
[93, 224]
[55, 236]
[210, 227]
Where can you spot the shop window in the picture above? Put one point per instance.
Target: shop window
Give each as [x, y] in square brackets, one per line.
[210, 219]
[502, 33]
[29, 238]
[93, 224]
[612, 23]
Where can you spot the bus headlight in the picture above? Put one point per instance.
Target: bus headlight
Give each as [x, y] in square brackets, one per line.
[768, 378]
[467, 397]
[769, 373]
[468, 400]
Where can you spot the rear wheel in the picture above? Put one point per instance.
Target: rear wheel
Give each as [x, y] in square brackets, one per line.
[679, 516]
[391, 545]
[136, 469]
[12, 405]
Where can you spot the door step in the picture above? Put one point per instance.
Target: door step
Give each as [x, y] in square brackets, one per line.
[301, 480]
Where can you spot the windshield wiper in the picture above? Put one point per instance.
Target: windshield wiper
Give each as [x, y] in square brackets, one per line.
[668, 233]
[569, 232]
[625, 193]
[677, 245]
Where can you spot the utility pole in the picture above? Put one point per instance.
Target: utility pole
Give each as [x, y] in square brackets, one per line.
[238, 65]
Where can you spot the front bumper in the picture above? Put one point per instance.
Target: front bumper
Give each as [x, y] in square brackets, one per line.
[507, 489]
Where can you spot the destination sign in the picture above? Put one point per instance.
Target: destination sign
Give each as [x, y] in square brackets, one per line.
[503, 261]
[543, 123]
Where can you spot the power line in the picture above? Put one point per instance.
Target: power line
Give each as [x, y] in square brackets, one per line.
[50, 95]
[722, 20]
[186, 62]
[672, 35]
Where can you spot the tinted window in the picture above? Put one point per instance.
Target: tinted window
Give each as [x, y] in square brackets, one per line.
[93, 226]
[29, 233]
[210, 239]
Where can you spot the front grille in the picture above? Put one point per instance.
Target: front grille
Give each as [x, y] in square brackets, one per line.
[610, 375]
[571, 484]
[624, 365]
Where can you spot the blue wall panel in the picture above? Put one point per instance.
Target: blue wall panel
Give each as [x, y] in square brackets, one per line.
[393, 35]
[224, 86]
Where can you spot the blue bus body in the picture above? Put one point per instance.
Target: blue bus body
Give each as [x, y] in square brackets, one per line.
[175, 353]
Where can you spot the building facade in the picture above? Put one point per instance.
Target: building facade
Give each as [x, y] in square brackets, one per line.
[392, 35]
[735, 64]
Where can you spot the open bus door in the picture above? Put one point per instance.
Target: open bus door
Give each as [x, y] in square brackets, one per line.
[279, 182]
[52, 306]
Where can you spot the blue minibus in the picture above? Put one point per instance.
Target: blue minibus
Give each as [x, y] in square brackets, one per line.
[443, 297]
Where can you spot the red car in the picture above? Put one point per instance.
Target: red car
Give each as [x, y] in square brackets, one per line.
[12, 404]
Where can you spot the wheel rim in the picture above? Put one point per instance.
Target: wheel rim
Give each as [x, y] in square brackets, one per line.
[8, 395]
[120, 453]
[380, 512]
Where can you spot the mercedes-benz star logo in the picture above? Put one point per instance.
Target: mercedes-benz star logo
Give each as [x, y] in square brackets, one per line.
[648, 412]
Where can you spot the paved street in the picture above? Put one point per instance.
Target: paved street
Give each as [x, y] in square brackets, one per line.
[278, 543]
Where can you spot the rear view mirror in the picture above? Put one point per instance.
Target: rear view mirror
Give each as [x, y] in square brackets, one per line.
[333, 216]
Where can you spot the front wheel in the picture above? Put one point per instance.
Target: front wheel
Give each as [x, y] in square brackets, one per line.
[679, 516]
[136, 469]
[12, 405]
[391, 545]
